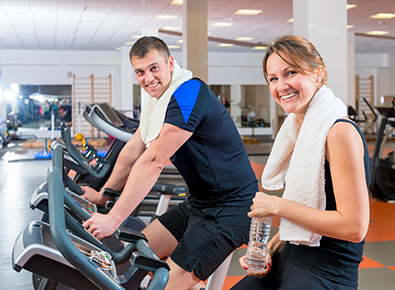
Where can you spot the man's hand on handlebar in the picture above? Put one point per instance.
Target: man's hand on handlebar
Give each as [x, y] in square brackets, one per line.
[93, 196]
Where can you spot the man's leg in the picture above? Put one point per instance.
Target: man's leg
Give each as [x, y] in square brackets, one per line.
[160, 239]
[179, 279]
[163, 243]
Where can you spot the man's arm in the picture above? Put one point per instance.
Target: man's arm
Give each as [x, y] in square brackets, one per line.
[126, 159]
[141, 179]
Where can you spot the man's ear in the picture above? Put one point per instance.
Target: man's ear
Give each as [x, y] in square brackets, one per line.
[171, 63]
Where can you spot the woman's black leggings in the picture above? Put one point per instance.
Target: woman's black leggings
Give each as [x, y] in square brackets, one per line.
[286, 276]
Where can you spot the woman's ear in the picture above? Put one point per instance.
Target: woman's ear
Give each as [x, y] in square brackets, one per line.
[320, 74]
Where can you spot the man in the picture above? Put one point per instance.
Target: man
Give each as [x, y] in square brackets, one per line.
[184, 121]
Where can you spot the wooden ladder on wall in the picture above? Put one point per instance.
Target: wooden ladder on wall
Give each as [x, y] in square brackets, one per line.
[364, 90]
[86, 91]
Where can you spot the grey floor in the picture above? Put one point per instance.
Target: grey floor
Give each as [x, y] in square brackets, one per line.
[18, 179]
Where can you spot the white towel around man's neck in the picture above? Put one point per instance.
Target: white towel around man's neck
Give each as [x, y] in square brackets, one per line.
[296, 161]
[154, 110]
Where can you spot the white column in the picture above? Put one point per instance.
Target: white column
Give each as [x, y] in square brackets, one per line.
[195, 39]
[127, 80]
[351, 68]
[324, 23]
[235, 101]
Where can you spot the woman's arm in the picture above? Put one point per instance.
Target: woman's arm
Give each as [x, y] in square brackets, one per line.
[344, 152]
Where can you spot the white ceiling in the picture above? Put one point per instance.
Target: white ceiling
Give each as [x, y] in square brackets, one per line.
[107, 24]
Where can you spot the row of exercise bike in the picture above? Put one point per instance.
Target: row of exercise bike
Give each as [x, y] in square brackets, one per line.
[59, 252]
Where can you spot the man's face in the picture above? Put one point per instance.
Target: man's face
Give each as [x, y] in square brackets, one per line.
[153, 72]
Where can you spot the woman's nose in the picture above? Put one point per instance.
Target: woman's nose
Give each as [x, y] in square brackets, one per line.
[282, 85]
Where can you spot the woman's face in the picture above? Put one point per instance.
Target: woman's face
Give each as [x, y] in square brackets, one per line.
[292, 90]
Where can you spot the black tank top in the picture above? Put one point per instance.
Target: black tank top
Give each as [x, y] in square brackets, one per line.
[336, 260]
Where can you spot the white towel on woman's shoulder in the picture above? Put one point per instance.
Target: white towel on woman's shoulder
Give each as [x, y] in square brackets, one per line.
[296, 162]
[154, 110]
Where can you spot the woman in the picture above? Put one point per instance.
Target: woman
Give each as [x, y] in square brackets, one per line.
[320, 160]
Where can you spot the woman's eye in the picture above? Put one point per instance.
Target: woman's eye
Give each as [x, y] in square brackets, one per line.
[290, 73]
[272, 79]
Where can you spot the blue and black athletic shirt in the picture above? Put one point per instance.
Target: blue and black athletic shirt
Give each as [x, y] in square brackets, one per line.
[213, 162]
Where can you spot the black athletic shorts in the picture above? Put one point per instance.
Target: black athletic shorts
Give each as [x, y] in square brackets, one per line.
[206, 237]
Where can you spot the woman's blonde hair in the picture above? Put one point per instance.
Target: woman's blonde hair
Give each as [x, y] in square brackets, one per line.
[302, 55]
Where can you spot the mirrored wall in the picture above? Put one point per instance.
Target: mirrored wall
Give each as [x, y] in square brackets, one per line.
[31, 106]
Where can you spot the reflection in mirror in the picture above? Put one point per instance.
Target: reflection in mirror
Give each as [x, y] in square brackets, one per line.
[31, 106]
[249, 105]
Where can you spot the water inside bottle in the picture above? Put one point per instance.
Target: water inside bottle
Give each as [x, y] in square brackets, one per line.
[256, 251]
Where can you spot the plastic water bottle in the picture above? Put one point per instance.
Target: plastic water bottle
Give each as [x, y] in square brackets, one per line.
[259, 236]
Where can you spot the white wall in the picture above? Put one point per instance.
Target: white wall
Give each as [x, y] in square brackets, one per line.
[53, 67]
[382, 67]
[232, 68]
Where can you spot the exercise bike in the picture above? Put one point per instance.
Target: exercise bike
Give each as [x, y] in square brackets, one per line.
[382, 178]
[78, 261]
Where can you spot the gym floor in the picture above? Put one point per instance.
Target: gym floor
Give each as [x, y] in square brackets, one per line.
[20, 174]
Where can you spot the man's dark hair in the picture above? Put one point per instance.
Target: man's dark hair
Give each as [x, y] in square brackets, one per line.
[146, 44]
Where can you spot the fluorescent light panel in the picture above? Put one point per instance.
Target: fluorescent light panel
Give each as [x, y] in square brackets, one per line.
[97, 9]
[166, 17]
[225, 44]
[177, 2]
[377, 32]
[244, 38]
[383, 16]
[260, 47]
[172, 28]
[247, 12]
[350, 6]
[221, 24]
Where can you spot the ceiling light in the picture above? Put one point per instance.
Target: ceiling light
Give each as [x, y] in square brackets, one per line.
[260, 47]
[176, 2]
[166, 17]
[173, 46]
[221, 24]
[180, 41]
[350, 26]
[128, 43]
[350, 6]
[290, 20]
[376, 32]
[135, 36]
[97, 9]
[225, 44]
[244, 38]
[172, 28]
[383, 16]
[248, 12]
